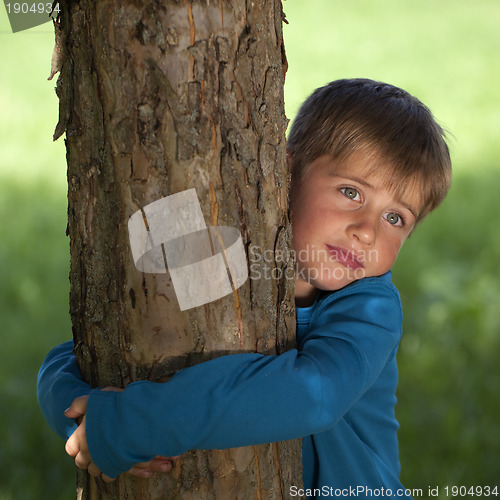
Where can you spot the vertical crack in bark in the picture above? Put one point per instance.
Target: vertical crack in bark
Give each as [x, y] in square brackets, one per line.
[257, 470]
[221, 14]
[280, 472]
[192, 29]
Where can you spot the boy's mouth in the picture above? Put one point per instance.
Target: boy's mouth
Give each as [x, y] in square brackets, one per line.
[345, 257]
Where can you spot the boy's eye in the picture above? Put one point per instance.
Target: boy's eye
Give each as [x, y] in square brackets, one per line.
[394, 219]
[350, 192]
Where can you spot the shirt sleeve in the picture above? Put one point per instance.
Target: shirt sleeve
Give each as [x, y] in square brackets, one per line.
[59, 383]
[247, 399]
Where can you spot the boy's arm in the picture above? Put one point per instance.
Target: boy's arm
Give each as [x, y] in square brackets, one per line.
[59, 383]
[248, 399]
[60, 388]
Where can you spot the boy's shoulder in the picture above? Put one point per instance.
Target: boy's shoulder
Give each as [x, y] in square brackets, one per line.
[367, 295]
[363, 313]
[373, 285]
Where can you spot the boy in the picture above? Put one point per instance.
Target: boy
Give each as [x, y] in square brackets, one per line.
[369, 162]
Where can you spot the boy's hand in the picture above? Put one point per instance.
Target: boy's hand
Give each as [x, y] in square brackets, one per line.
[158, 464]
[77, 446]
[77, 409]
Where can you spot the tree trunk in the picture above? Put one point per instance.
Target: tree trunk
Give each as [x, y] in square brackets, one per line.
[157, 98]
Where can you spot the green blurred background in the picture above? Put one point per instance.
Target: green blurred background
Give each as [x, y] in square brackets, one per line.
[446, 53]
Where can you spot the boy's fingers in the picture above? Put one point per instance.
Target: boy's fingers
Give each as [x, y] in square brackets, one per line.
[112, 389]
[161, 458]
[93, 470]
[78, 407]
[146, 469]
[140, 472]
[107, 479]
[83, 461]
[158, 464]
[77, 442]
[72, 448]
[161, 465]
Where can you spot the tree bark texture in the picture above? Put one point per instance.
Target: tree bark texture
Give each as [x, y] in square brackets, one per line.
[156, 98]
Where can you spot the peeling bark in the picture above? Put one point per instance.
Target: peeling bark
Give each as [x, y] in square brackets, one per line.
[157, 98]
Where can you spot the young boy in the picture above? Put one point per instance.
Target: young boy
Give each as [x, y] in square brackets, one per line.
[369, 162]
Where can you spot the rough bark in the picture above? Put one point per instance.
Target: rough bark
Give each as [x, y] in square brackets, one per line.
[157, 98]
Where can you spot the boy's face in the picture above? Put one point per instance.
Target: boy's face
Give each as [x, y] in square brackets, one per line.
[346, 224]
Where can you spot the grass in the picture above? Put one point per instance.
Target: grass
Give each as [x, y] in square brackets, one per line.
[34, 265]
[34, 317]
[449, 376]
[444, 52]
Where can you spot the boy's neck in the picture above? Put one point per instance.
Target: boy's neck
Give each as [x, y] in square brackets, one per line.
[305, 294]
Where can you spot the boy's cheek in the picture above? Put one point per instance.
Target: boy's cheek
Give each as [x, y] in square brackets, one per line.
[392, 253]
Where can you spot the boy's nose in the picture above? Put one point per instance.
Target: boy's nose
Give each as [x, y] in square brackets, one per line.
[363, 230]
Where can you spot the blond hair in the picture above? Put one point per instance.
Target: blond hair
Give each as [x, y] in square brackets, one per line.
[348, 115]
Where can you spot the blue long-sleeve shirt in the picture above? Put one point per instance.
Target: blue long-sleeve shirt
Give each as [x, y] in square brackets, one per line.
[336, 391]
